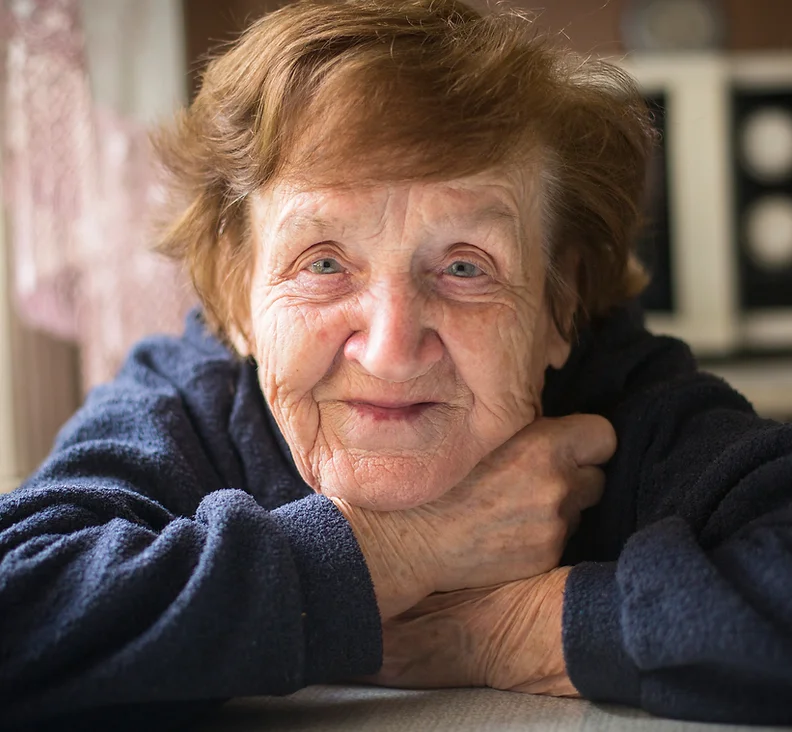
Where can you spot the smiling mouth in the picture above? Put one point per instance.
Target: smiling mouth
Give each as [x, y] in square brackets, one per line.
[381, 411]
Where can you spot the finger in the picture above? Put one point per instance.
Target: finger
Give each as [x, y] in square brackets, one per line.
[589, 487]
[590, 439]
[586, 492]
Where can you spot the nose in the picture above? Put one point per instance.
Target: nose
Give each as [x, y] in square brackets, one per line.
[396, 343]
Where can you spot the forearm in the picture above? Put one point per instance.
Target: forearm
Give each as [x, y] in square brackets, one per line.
[684, 632]
[688, 613]
[100, 609]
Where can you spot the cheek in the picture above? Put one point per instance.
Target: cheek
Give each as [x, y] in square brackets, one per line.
[493, 348]
[296, 346]
[491, 344]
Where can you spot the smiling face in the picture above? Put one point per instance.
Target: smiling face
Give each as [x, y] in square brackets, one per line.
[401, 330]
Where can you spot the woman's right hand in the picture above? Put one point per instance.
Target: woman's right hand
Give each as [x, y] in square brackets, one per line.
[509, 519]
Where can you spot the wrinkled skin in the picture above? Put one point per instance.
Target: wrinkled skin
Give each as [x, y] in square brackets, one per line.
[401, 330]
[505, 637]
[402, 333]
[510, 518]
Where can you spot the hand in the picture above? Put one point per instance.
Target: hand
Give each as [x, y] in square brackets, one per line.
[508, 519]
[514, 513]
[506, 637]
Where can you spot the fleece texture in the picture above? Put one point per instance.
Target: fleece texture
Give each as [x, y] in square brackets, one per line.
[167, 555]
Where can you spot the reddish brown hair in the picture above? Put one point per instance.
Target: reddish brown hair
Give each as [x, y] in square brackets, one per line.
[355, 91]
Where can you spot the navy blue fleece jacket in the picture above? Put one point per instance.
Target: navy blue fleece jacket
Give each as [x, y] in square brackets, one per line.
[167, 554]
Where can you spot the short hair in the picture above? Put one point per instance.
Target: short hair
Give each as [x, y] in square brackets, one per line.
[407, 90]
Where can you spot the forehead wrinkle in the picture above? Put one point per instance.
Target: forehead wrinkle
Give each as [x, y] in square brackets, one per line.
[485, 199]
[348, 209]
[298, 221]
[495, 215]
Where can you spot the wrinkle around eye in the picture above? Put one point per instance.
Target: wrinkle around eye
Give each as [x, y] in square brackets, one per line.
[303, 264]
[296, 256]
[320, 286]
[466, 288]
[309, 283]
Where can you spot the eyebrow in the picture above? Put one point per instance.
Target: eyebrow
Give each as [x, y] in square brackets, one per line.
[494, 214]
[301, 220]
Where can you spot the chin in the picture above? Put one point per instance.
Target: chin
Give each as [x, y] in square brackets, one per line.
[390, 483]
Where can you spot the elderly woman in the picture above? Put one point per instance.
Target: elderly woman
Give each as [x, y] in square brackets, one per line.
[375, 449]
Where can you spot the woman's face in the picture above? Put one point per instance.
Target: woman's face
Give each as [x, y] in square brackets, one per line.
[401, 330]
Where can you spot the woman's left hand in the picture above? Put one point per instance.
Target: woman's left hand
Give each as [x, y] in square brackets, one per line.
[504, 637]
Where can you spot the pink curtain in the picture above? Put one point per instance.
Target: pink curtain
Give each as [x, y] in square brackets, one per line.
[80, 189]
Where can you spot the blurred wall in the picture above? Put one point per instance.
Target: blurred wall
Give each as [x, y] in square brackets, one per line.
[590, 25]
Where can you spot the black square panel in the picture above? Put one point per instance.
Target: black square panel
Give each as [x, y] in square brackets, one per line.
[762, 164]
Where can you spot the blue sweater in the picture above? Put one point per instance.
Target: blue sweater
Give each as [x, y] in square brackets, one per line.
[167, 555]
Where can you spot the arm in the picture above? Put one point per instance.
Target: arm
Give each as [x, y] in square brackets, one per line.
[694, 619]
[129, 574]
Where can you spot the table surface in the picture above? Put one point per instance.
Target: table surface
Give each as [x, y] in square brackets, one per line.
[336, 708]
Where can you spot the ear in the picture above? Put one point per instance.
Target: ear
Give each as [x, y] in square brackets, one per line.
[559, 344]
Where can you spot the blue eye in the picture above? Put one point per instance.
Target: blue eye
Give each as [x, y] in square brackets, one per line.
[326, 265]
[464, 269]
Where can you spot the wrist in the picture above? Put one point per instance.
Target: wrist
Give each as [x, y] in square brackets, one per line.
[388, 545]
[527, 653]
[553, 679]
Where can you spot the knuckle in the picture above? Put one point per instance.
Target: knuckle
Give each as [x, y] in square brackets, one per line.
[555, 494]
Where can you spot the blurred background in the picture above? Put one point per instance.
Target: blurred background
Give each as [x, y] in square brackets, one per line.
[82, 81]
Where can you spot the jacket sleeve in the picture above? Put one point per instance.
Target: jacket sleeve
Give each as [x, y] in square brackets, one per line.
[133, 573]
[694, 618]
